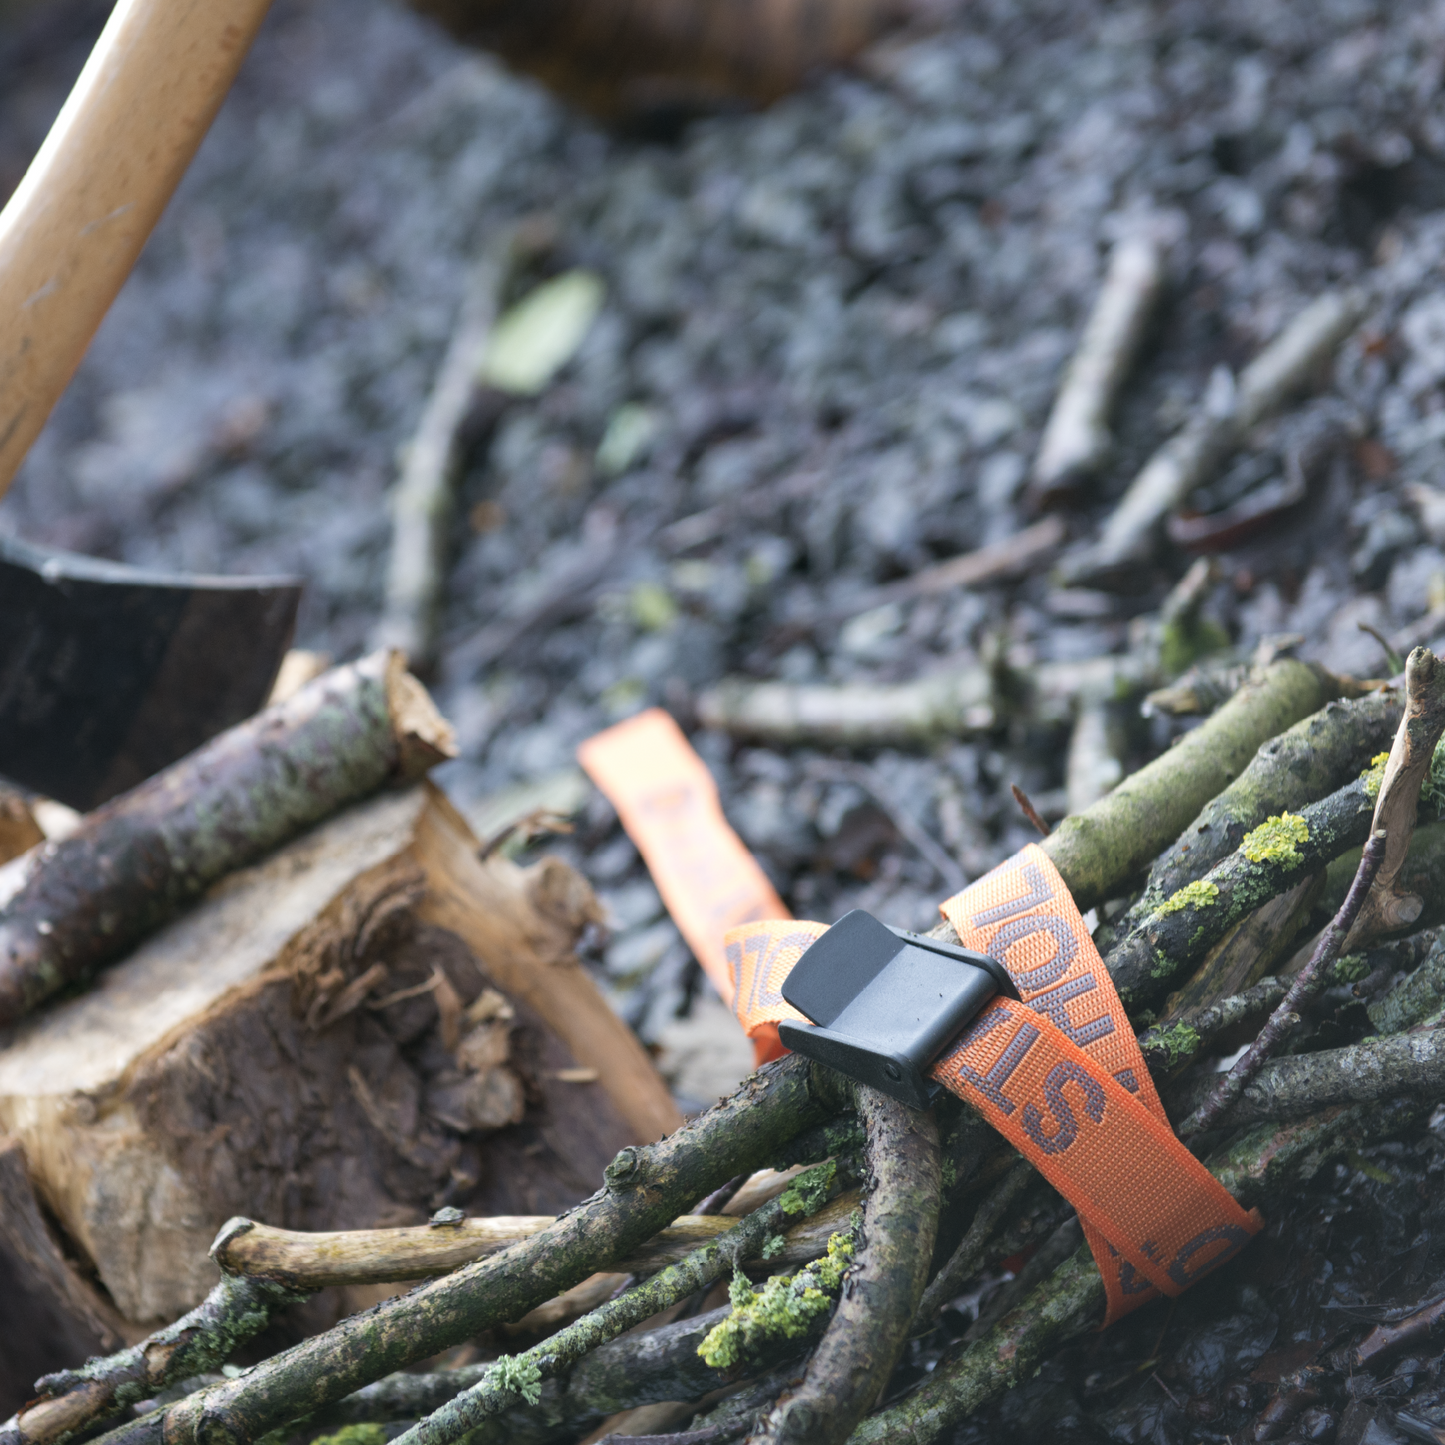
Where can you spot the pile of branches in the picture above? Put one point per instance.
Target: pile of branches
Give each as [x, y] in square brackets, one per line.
[1302, 797]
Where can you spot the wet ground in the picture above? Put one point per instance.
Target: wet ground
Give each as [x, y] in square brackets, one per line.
[831, 336]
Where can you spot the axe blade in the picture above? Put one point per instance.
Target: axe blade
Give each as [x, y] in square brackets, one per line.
[109, 673]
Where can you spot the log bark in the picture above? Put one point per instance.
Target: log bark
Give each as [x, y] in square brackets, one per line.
[51, 1311]
[73, 906]
[280, 1049]
[19, 831]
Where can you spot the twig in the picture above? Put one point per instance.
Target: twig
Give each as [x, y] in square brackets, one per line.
[644, 1189]
[1187, 459]
[967, 1259]
[1169, 1048]
[719, 1199]
[412, 1252]
[1393, 660]
[1027, 808]
[421, 505]
[641, 1368]
[1408, 1066]
[522, 1375]
[1283, 851]
[869, 1329]
[1397, 803]
[1077, 439]
[1285, 1018]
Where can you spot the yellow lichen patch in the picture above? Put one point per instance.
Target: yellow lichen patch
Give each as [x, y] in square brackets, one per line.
[1277, 840]
[1199, 894]
[1374, 775]
[785, 1308]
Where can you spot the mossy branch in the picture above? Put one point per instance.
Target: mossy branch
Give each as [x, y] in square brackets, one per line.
[645, 1189]
[520, 1377]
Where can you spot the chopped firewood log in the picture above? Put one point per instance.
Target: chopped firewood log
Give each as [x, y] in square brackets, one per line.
[73, 906]
[362, 1028]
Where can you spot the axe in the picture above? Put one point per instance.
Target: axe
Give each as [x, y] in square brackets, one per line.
[108, 673]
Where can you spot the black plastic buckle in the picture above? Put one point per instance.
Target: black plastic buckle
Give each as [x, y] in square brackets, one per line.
[885, 1003]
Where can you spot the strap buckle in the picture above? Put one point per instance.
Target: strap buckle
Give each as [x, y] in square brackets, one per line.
[885, 1003]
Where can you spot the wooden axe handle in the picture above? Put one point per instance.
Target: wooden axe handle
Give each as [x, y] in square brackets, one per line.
[74, 227]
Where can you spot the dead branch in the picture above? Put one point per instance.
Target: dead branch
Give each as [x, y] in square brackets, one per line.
[1189, 457]
[1387, 906]
[1077, 439]
[382, 1256]
[1285, 1019]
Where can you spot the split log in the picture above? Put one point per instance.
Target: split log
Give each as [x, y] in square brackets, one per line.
[72, 906]
[321, 1043]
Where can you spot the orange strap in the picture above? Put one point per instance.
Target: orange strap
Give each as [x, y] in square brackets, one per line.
[668, 803]
[1059, 1075]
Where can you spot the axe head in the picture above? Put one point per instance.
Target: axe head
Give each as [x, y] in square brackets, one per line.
[109, 673]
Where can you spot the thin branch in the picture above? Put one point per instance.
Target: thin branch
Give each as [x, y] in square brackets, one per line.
[967, 1259]
[1283, 1021]
[521, 1376]
[1030, 812]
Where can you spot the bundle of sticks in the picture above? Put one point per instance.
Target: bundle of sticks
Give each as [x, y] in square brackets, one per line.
[1241, 877]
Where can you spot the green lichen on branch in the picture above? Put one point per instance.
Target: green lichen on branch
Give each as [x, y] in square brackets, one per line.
[808, 1193]
[1276, 840]
[1170, 944]
[787, 1307]
[1349, 969]
[1374, 775]
[1175, 1043]
[518, 1374]
[1199, 894]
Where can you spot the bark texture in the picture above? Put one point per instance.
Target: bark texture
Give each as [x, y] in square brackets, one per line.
[1099, 851]
[73, 906]
[1316, 756]
[863, 1342]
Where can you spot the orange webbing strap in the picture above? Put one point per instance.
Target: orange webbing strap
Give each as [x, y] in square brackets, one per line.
[668, 803]
[1059, 1075]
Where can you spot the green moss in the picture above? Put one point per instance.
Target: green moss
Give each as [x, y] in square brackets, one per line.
[808, 1193]
[1163, 965]
[775, 1245]
[1433, 789]
[516, 1373]
[785, 1308]
[1199, 894]
[1176, 1043]
[354, 1435]
[1374, 775]
[1277, 840]
[1350, 969]
[948, 1172]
